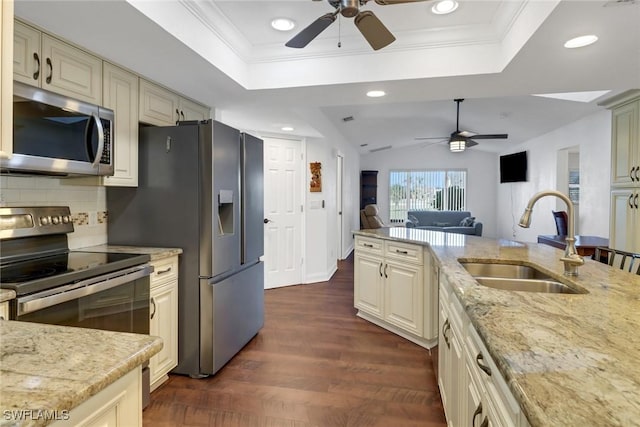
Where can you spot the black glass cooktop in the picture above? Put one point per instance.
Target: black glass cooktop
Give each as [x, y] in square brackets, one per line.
[37, 274]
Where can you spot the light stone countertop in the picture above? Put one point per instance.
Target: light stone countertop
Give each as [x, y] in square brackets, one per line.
[47, 367]
[7, 294]
[569, 359]
[155, 253]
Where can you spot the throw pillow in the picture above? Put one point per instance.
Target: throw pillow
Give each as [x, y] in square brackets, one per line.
[468, 221]
[413, 220]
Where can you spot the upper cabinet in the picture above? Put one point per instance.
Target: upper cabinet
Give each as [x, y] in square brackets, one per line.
[120, 94]
[625, 139]
[162, 107]
[44, 61]
[6, 80]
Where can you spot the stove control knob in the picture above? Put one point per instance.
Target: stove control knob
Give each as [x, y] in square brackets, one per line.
[44, 220]
[55, 220]
[66, 219]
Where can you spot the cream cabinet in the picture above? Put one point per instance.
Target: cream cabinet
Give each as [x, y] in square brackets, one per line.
[473, 391]
[44, 61]
[120, 93]
[164, 318]
[4, 310]
[392, 290]
[162, 107]
[6, 79]
[624, 230]
[118, 405]
[625, 219]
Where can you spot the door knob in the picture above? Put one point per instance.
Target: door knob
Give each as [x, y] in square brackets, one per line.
[267, 221]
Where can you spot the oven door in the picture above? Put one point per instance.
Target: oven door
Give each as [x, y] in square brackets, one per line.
[117, 301]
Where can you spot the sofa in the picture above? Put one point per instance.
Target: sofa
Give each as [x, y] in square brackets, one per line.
[460, 222]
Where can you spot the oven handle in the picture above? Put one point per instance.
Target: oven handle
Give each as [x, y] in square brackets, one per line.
[81, 289]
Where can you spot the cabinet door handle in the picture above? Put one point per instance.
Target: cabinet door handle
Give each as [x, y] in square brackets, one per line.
[631, 201]
[477, 412]
[153, 302]
[385, 270]
[485, 422]
[165, 271]
[631, 174]
[637, 171]
[635, 201]
[50, 65]
[445, 328]
[177, 116]
[182, 115]
[36, 73]
[380, 269]
[485, 368]
[402, 252]
[367, 245]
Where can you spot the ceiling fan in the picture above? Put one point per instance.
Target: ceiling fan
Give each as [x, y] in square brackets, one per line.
[369, 25]
[460, 140]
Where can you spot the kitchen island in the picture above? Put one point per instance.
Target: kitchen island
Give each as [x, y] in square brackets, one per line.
[67, 375]
[567, 359]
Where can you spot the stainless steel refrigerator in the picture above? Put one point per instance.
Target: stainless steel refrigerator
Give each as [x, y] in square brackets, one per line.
[200, 188]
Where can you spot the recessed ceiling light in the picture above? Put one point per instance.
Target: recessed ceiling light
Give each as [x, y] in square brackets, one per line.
[581, 41]
[375, 93]
[443, 7]
[283, 24]
[287, 128]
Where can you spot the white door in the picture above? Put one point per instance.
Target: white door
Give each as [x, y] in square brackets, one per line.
[283, 212]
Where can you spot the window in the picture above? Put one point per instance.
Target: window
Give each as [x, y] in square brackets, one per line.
[440, 190]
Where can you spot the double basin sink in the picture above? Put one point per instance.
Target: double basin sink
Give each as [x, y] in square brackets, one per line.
[514, 277]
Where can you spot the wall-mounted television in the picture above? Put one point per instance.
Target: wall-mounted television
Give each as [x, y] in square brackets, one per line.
[513, 167]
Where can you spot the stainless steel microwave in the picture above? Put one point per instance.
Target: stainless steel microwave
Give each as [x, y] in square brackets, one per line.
[57, 135]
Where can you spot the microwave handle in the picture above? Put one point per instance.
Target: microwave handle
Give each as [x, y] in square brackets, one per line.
[98, 156]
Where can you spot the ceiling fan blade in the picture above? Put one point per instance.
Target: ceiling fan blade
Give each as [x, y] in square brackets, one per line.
[388, 2]
[470, 142]
[312, 31]
[373, 30]
[421, 138]
[492, 136]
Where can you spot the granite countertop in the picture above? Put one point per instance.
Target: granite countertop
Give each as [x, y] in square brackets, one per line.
[7, 294]
[569, 359]
[155, 253]
[51, 367]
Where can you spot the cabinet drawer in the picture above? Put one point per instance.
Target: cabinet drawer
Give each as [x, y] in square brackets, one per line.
[373, 246]
[164, 270]
[404, 252]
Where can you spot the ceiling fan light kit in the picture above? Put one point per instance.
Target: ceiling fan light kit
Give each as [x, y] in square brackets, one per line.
[372, 29]
[457, 145]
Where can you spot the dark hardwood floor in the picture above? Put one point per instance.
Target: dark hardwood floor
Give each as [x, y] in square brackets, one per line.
[313, 364]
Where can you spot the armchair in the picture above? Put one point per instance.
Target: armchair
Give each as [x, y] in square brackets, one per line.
[369, 217]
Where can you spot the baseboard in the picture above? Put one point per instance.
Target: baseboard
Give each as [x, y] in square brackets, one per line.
[322, 277]
[348, 252]
[422, 342]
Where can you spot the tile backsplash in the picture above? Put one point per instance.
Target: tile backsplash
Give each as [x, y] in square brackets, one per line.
[85, 197]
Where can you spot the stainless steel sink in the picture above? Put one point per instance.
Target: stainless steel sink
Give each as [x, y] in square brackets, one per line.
[508, 271]
[512, 277]
[528, 285]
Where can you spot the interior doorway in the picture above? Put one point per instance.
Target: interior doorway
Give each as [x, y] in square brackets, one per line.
[339, 199]
[568, 181]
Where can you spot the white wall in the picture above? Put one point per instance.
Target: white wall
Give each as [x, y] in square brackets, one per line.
[482, 176]
[85, 198]
[592, 135]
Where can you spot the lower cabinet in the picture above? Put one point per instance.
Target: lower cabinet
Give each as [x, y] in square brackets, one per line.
[164, 318]
[473, 391]
[118, 405]
[4, 310]
[392, 290]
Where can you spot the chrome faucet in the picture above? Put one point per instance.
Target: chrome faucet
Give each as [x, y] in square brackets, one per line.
[571, 258]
